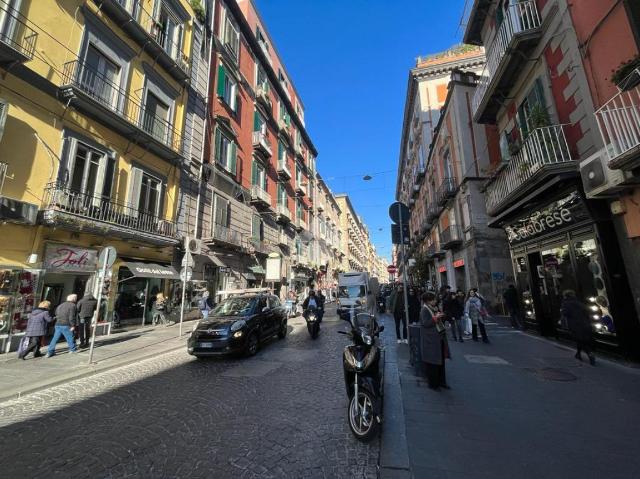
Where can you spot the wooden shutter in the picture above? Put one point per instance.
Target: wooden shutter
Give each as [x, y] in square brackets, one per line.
[233, 160]
[135, 183]
[97, 190]
[218, 146]
[4, 108]
[65, 173]
[254, 173]
[256, 121]
[221, 80]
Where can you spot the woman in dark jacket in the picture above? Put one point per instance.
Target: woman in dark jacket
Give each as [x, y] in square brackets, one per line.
[414, 306]
[37, 328]
[433, 342]
[579, 324]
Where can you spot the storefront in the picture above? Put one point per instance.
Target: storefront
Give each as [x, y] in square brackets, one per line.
[568, 244]
[68, 270]
[19, 290]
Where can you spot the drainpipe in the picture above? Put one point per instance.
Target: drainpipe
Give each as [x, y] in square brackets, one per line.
[473, 136]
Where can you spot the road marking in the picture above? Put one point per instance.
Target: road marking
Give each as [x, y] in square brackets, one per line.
[480, 359]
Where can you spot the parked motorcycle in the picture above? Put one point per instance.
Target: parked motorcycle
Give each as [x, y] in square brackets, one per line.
[363, 365]
[313, 322]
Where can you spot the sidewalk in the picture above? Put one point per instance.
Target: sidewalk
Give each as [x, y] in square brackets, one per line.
[522, 407]
[20, 377]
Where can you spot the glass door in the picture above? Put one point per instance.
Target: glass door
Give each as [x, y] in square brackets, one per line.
[557, 276]
[156, 117]
[100, 78]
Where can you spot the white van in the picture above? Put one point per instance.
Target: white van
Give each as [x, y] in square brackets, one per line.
[356, 286]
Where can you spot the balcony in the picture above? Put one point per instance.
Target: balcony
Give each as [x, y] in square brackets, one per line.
[104, 101]
[148, 31]
[261, 143]
[420, 172]
[543, 155]
[283, 239]
[225, 236]
[260, 247]
[283, 170]
[17, 40]
[433, 252]
[63, 207]
[515, 38]
[265, 50]
[451, 237]
[433, 212]
[446, 190]
[320, 207]
[299, 151]
[262, 96]
[619, 123]
[415, 189]
[284, 128]
[299, 189]
[260, 197]
[283, 214]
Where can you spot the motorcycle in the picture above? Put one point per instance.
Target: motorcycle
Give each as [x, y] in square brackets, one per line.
[313, 322]
[363, 365]
[381, 305]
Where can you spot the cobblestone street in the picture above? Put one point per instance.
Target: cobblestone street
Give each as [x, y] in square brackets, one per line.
[281, 413]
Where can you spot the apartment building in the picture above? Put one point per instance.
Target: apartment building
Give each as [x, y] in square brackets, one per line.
[535, 89]
[93, 101]
[329, 236]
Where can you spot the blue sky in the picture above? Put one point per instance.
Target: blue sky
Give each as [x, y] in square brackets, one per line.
[349, 61]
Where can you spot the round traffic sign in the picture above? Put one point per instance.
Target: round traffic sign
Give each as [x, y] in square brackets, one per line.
[108, 255]
[391, 269]
[399, 213]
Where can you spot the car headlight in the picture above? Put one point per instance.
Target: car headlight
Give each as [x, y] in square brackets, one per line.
[367, 339]
[237, 334]
[238, 325]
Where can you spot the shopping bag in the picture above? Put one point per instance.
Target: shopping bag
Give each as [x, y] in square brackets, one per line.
[23, 345]
[467, 324]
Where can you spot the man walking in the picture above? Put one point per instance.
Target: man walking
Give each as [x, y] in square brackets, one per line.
[510, 297]
[86, 307]
[66, 320]
[397, 309]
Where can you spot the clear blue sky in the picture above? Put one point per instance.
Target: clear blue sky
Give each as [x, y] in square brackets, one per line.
[349, 61]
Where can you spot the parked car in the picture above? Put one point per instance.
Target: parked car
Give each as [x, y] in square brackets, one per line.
[238, 325]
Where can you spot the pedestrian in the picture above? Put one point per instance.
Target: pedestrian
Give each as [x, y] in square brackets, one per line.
[205, 305]
[414, 306]
[66, 321]
[434, 345]
[444, 292]
[321, 302]
[397, 308]
[453, 308]
[579, 323]
[158, 310]
[86, 307]
[476, 312]
[39, 318]
[512, 303]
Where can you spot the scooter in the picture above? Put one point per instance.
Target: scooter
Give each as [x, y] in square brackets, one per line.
[363, 365]
[381, 305]
[313, 322]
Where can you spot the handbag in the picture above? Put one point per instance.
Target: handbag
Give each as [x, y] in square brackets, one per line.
[23, 345]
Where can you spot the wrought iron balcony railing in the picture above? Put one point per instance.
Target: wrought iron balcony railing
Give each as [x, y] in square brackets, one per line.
[92, 89]
[451, 236]
[17, 39]
[446, 190]
[66, 207]
[543, 148]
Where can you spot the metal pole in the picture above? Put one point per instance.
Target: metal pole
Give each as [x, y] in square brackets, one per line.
[94, 320]
[404, 268]
[184, 290]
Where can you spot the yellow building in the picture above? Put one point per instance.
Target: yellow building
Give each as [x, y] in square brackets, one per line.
[92, 106]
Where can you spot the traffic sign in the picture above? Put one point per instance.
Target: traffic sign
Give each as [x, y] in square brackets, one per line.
[391, 269]
[395, 234]
[108, 255]
[398, 211]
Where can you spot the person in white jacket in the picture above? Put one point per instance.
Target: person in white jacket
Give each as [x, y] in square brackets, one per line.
[474, 310]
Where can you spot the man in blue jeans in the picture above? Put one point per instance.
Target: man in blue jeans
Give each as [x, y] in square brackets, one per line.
[66, 320]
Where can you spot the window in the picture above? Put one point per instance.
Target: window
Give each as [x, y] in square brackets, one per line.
[231, 37]
[283, 81]
[100, 77]
[259, 123]
[145, 193]
[532, 112]
[282, 195]
[284, 115]
[221, 211]
[298, 176]
[299, 210]
[282, 154]
[261, 38]
[226, 152]
[298, 246]
[257, 228]
[168, 31]
[156, 117]
[258, 175]
[227, 88]
[89, 171]
[261, 78]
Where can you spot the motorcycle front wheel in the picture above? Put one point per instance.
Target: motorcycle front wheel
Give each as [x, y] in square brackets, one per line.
[362, 419]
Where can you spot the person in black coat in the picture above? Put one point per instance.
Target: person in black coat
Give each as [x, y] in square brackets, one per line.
[433, 342]
[453, 308]
[512, 303]
[414, 306]
[579, 323]
[39, 318]
[86, 307]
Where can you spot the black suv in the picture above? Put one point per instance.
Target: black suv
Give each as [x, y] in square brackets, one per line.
[238, 325]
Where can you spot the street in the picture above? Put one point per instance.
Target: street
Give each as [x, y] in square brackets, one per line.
[279, 414]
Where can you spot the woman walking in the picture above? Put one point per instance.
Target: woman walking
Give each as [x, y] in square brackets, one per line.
[435, 348]
[579, 324]
[475, 311]
[37, 328]
[159, 307]
[414, 306]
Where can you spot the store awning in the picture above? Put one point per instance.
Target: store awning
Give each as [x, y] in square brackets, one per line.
[257, 269]
[152, 270]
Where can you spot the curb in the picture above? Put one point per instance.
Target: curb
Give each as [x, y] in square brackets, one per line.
[92, 370]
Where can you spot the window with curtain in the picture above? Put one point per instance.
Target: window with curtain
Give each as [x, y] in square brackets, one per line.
[227, 88]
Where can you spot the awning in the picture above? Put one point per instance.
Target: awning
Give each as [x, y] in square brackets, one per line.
[257, 269]
[250, 276]
[211, 259]
[152, 270]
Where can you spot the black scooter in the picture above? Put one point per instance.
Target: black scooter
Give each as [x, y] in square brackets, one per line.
[313, 322]
[363, 364]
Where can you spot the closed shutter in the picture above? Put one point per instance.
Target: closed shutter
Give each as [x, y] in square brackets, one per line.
[135, 182]
[256, 121]
[65, 172]
[97, 190]
[4, 109]
[254, 173]
[233, 160]
[218, 143]
[280, 152]
[221, 80]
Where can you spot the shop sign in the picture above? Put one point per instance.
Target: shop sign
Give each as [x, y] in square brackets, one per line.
[459, 263]
[62, 258]
[555, 216]
[442, 269]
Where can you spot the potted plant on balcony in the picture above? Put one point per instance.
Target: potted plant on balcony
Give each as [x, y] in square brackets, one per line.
[198, 10]
[627, 76]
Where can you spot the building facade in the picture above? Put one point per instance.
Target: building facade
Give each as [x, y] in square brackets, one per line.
[93, 111]
[329, 236]
[535, 90]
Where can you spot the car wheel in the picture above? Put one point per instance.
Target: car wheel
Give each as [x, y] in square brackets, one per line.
[282, 332]
[252, 345]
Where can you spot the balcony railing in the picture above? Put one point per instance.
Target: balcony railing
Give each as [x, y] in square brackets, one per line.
[258, 195]
[261, 142]
[226, 235]
[520, 19]
[17, 40]
[283, 170]
[450, 237]
[151, 32]
[544, 148]
[83, 211]
[433, 211]
[260, 246]
[619, 123]
[262, 95]
[283, 213]
[283, 239]
[446, 190]
[92, 89]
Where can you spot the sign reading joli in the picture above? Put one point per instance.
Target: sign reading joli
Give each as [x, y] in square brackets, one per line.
[63, 258]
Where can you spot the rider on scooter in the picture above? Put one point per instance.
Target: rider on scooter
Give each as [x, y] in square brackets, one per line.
[314, 301]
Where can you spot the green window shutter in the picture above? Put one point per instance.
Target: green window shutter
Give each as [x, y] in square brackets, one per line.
[221, 76]
[256, 121]
[218, 146]
[234, 159]
[287, 119]
[254, 173]
[280, 151]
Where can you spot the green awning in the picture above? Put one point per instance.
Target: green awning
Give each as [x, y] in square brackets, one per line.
[257, 269]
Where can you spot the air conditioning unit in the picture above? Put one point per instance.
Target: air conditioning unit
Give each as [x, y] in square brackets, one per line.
[193, 245]
[599, 180]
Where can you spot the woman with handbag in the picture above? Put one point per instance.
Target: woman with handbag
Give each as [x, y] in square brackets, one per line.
[475, 310]
[433, 337]
[39, 318]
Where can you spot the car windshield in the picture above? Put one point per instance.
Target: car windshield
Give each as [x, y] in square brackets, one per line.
[234, 307]
[351, 291]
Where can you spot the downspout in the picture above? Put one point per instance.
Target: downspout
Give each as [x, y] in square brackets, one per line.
[473, 136]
